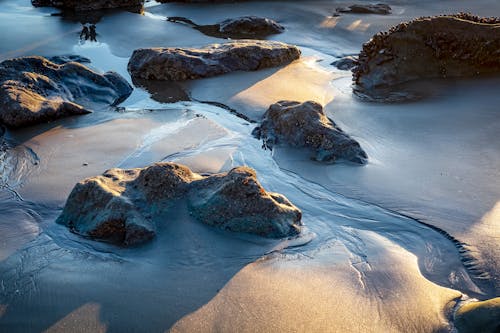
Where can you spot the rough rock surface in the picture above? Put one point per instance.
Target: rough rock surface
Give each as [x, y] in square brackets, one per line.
[479, 317]
[178, 64]
[449, 46]
[34, 90]
[88, 5]
[245, 27]
[379, 8]
[346, 63]
[306, 125]
[119, 205]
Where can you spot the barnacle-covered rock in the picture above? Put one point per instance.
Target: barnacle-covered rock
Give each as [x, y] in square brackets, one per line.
[446, 46]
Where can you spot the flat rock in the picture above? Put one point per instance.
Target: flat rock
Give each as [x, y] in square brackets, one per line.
[178, 64]
[88, 5]
[378, 8]
[306, 125]
[245, 27]
[35, 90]
[479, 317]
[447, 46]
[346, 63]
[120, 205]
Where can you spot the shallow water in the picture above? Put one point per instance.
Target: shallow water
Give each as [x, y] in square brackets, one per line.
[380, 251]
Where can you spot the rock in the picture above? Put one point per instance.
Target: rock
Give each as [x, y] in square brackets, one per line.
[120, 205]
[88, 5]
[177, 64]
[379, 8]
[306, 125]
[447, 46]
[34, 90]
[245, 27]
[69, 58]
[237, 202]
[479, 317]
[346, 63]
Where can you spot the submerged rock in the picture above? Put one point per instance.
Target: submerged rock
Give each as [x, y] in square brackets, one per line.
[306, 125]
[119, 205]
[34, 90]
[479, 317]
[379, 8]
[177, 64]
[88, 5]
[448, 46]
[245, 27]
[346, 63]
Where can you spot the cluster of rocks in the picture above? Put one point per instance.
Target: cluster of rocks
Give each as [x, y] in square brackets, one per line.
[35, 90]
[460, 45]
[245, 27]
[346, 63]
[89, 5]
[178, 64]
[306, 125]
[120, 205]
[379, 8]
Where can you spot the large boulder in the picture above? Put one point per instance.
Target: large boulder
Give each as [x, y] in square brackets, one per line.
[88, 5]
[34, 90]
[306, 125]
[447, 46]
[479, 317]
[245, 27]
[178, 64]
[120, 205]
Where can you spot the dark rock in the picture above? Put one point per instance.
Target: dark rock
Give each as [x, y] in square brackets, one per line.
[177, 64]
[88, 5]
[246, 27]
[34, 90]
[306, 125]
[69, 58]
[479, 317]
[119, 206]
[379, 8]
[447, 46]
[346, 63]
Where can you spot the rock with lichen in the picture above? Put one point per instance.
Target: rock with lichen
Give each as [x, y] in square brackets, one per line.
[120, 205]
[178, 64]
[35, 90]
[446, 46]
[306, 125]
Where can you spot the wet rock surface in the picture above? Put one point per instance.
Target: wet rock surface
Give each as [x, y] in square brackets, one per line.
[88, 5]
[451, 46]
[245, 27]
[178, 64]
[479, 317]
[34, 90]
[379, 8]
[346, 63]
[306, 125]
[119, 205]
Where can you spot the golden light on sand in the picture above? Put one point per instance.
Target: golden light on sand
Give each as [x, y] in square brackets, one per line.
[358, 25]
[301, 81]
[330, 22]
[84, 319]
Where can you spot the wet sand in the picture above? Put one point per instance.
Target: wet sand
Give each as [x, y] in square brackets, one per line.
[366, 261]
